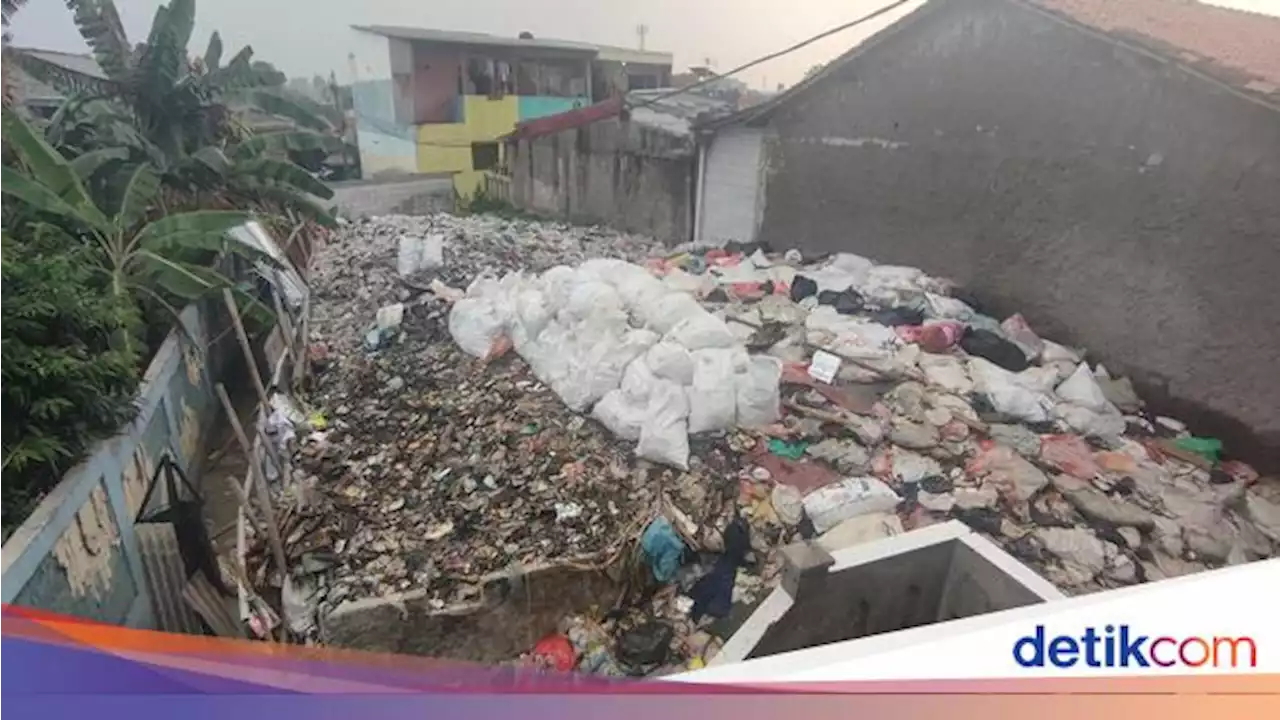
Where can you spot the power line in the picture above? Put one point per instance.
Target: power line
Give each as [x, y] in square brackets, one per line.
[771, 56]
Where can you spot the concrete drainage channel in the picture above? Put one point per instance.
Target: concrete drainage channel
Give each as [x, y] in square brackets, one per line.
[932, 575]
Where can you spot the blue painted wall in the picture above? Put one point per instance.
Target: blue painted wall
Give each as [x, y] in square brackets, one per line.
[77, 553]
[536, 106]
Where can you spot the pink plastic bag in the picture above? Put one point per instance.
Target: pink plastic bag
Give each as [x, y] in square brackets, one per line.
[934, 337]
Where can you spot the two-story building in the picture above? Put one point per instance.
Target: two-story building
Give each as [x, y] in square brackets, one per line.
[435, 101]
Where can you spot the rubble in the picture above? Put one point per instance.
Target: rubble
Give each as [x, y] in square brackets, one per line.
[751, 400]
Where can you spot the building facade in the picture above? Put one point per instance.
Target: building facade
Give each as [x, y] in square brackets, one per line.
[1109, 169]
[431, 101]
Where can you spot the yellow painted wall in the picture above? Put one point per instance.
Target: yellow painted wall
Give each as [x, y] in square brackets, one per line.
[446, 147]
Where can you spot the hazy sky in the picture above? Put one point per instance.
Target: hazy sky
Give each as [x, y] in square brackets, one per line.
[305, 37]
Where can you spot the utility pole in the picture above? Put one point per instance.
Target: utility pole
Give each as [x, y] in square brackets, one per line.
[641, 31]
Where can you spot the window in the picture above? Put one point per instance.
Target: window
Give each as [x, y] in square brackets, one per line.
[484, 156]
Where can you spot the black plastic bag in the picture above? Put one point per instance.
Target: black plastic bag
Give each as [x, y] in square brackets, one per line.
[802, 287]
[990, 346]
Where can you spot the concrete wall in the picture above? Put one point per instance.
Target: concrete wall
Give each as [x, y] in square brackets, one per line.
[1116, 200]
[413, 195]
[507, 620]
[78, 553]
[935, 574]
[613, 172]
[385, 139]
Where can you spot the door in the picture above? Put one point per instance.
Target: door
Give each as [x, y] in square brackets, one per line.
[731, 186]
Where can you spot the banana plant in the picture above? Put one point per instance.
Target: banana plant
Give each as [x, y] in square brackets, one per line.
[144, 256]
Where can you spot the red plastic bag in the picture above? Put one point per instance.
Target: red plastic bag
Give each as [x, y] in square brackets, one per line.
[556, 652]
[1070, 454]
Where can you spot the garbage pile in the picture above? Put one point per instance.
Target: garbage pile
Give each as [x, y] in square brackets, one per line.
[644, 356]
[498, 396]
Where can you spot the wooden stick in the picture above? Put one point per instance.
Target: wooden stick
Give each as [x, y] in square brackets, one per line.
[286, 327]
[247, 349]
[260, 484]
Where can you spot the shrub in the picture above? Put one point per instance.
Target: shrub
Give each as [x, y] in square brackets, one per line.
[64, 384]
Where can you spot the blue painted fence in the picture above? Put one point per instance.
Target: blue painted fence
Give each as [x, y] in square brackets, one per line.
[77, 553]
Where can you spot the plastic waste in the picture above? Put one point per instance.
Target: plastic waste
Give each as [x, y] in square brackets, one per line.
[758, 403]
[713, 593]
[1208, 448]
[419, 253]
[555, 652]
[702, 331]
[859, 530]
[896, 316]
[1070, 454]
[990, 346]
[663, 548]
[1083, 390]
[670, 361]
[475, 325]
[620, 414]
[829, 506]
[788, 450]
[1015, 328]
[788, 504]
[646, 645]
[664, 436]
[1009, 394]
[824, 366]
[712, 395]
[947, 372]
[803, 287]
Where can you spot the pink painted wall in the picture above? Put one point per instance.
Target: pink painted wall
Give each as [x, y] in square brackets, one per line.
[435, 73]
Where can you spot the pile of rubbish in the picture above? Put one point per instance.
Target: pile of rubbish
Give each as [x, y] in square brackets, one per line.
[592, 397]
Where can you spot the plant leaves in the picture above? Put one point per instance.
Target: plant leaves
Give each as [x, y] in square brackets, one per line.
[269, 171]
[88, 164]
[100, 26]
[63, 79]
[44, 163]
[294, 109]
[213, 55]
[200, 221]
[43, 199]
[212, 158]
[286, 141]
[184, 280]
[140, 191]
[287, 198]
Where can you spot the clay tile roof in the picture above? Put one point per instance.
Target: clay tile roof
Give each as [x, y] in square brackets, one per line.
[1238, 47]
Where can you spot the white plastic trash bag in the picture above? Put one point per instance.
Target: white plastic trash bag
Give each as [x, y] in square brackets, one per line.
[663, 312]
[664, 436]
[757, 387]
[702, 331]
[713, 395]
[671, 361]
[419, 253]
[831, 505]
[1082, 389]
[475, 325]
[621, 415]
[1008, 394]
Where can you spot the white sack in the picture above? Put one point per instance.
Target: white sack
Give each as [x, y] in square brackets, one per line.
[702, 331]
[757, 388]
[1008, 393]
[664, 436]
[621, 415]
[475, 325]
[712, 396]
[829, 506]
[1082, 389]
[670, 361]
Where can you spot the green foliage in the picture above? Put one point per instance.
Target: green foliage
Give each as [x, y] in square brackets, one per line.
[65, 384]
[161, 260]
[186, 117]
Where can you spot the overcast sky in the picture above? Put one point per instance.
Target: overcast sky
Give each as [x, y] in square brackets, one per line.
[306, 37]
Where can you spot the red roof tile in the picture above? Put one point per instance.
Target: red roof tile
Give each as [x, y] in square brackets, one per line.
[1240, 47]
